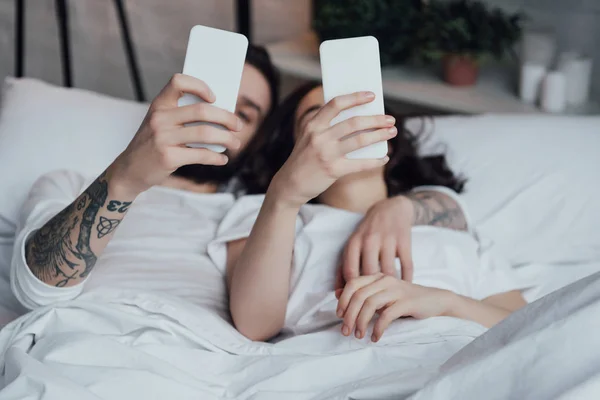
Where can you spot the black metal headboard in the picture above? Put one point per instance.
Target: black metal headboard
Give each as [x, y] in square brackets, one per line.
[243, 22]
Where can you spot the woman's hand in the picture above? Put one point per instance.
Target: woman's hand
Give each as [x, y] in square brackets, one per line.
[319, 155]
[389, 297]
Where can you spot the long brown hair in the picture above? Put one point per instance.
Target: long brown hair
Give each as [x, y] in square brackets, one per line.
[405, 170]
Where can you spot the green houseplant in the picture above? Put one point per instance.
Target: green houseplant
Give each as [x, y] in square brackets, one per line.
[393, 22]
[462, 33]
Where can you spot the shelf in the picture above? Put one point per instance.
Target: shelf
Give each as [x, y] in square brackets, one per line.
[495, 91]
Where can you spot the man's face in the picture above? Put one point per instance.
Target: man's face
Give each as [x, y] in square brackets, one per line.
[253, 103]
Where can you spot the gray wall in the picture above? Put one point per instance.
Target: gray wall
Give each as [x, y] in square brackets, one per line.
[159, 27]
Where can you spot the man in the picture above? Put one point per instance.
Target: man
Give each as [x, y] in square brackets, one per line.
[67, 222]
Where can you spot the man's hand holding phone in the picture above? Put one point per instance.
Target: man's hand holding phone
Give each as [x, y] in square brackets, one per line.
[159, 146]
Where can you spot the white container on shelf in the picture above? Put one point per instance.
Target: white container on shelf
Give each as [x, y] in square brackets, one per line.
[578, 74]
[530, 82]
[553, 94]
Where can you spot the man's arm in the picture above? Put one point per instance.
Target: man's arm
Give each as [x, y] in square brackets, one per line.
[431, 207]
[64, 251]
[385, 232]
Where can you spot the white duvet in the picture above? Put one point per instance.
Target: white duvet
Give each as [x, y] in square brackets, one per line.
[121, 344]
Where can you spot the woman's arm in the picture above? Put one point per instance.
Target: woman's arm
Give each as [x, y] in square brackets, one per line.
[259, 278]
[393, 298]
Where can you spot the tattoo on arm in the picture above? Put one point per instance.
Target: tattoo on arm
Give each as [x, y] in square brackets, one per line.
[437, 209]
[60, 251]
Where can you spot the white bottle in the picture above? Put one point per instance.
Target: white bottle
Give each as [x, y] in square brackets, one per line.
[531, 79]
[554, 92]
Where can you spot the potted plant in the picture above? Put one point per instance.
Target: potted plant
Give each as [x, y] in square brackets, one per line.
[462, 33]
[394, 23]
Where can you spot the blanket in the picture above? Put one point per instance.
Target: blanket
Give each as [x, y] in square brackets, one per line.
[547, 350]
[119, 345]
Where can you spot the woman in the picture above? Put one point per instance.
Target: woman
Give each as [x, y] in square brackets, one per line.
[306, 160]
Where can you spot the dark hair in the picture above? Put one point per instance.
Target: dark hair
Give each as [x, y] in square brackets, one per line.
[258, 57]
[405, 170]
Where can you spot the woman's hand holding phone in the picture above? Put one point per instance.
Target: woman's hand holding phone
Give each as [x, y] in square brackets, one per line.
[319, 155]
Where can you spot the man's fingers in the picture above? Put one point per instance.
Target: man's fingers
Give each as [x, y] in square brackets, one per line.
[336, 105]
[351, 259]
[203, 112]
[387, 257]
[405, 255]
[339, 277]
[350, 288]
[186, 156]
[205, 135]
[391, 313]
[177, 86]
[370, 256]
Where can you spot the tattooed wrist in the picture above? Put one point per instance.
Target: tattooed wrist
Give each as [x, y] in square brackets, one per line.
[60, 253]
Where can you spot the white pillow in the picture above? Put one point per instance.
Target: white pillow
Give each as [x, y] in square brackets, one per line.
[533, 181]
[45, 128]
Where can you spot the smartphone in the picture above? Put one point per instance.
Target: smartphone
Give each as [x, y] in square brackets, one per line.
[217, 57]
[352, 65]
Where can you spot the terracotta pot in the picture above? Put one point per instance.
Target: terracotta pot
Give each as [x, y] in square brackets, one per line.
[460, 70]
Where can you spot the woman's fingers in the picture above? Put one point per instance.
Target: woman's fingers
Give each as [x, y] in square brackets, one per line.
[338, 104]
[357, 301]
[365, 139]
[359, 165]
[370, 307]
[359, 124]
[393, 312]
[349, 290]
[206, 135]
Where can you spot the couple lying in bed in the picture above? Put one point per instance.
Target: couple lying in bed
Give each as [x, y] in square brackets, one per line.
[158, 219]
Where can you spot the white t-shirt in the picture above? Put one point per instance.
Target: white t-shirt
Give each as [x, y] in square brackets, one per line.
[442, 258]
[160, 245]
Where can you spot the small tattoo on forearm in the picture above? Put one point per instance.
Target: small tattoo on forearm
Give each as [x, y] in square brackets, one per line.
[106, 226]
[120, 206]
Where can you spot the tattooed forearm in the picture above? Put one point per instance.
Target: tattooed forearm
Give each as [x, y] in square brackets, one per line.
[437, 209]
[60, 253]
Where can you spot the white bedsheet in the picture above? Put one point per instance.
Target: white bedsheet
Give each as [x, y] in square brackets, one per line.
[548, 350]
[117, 345]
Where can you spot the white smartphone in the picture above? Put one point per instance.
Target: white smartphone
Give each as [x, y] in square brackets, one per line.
[352, 65]
[217, 57]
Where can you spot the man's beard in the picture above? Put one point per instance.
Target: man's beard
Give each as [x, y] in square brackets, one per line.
[199, 173]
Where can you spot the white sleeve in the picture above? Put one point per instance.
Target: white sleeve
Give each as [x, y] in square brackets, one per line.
[454, 196]
[49, 195]
[236, 225]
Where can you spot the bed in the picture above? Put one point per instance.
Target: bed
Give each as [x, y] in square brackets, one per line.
[532, 194]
